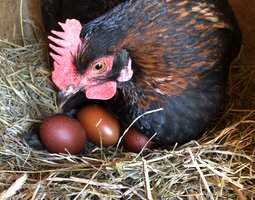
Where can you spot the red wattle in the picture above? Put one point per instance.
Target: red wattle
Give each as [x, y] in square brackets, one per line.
[103, 91]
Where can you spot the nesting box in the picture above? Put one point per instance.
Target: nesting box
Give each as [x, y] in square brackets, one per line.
[218, 166]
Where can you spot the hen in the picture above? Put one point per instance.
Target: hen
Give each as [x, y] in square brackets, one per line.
[150, 54]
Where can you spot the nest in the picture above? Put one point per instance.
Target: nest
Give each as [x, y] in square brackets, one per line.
[220, 165]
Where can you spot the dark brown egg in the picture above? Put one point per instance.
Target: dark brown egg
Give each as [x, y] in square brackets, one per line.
[99, 125]
[59, 132]
[135, 141]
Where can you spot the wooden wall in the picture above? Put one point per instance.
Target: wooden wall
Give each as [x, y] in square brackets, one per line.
[245, 13]
[15, 30]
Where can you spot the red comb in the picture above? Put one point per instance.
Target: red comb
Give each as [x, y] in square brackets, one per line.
[67, 43]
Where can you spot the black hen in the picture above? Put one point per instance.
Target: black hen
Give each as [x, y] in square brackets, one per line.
[150, 54]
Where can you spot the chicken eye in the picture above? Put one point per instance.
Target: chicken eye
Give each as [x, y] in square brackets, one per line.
[99, 67]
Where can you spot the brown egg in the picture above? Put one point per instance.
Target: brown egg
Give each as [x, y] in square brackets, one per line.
[135, 141]
[59, 132]
[99, 124]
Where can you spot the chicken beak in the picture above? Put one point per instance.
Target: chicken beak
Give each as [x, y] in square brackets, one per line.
[64, 96]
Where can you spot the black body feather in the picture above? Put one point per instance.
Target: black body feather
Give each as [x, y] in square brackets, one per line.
[55, 11]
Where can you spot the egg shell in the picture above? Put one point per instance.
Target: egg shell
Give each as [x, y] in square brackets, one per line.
[135, 141]
[59, 132]
[99, 124]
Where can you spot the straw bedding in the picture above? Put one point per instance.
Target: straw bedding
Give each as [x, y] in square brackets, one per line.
[220, 165]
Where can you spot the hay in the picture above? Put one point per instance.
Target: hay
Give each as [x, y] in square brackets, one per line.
[218, 166]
